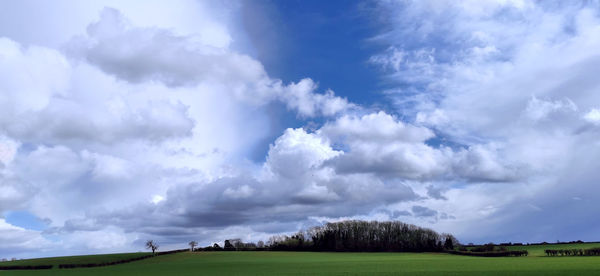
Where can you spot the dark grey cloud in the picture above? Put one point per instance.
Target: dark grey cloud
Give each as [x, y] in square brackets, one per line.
[435, 192]
[422, 211]
[207, 206]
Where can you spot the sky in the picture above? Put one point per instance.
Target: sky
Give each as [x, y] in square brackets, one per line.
[124, 121]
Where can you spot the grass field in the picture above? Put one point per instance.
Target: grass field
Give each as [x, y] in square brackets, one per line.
[311, 263]
[538, 250]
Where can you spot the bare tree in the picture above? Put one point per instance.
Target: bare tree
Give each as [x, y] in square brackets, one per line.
[152, 245]
[192, 245]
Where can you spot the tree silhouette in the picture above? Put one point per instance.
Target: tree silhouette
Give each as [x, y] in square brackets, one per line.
[192, 245]
[152, 245]
[448, 244]
[228, 245]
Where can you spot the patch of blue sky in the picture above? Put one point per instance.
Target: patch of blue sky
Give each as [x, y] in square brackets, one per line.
[441, 140]
[25, 220]
[327, 41]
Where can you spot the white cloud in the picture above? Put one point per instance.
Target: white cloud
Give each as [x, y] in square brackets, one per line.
[157, 198]
[537, 109]
[297, 153]
[301, 96]
[593, 116]
[380, 144]
[16, 239]
[8, 150]
[138, 55]
[374, 127]
[29, 77]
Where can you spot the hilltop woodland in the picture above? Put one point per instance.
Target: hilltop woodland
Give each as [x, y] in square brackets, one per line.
[353, 236]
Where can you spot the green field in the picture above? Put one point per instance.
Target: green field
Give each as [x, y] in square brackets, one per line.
[538, 250]
[311, 263]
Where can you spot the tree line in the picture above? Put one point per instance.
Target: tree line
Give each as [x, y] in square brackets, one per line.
[352, 236]
[572, 252]
[498, 253]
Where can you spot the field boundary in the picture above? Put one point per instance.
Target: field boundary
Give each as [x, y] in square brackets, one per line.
[512, 253]
[68, 266]
[26, 267]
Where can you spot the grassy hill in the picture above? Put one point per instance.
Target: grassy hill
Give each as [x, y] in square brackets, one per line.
[316, 263]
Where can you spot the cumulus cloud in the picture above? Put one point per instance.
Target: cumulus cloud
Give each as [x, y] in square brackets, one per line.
[381, 144]
[46, 105]
[297, 152]
[292, 186]
[141, 54]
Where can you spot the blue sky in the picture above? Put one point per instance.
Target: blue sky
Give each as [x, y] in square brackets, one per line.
[208, 120]
[326, 41]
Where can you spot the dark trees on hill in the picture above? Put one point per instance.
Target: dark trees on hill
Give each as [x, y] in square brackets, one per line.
[357, 235]
[228, 246]
[448, 244]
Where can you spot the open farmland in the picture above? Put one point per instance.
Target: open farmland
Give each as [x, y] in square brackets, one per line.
[317, 263]
[538, 249]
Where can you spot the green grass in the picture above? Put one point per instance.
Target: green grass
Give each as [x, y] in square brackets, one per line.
[538, 250]
[311, 263]
[75, 259]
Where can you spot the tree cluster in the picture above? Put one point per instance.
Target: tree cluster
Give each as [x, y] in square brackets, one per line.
[488, 250]
[374, 236]
[235, 245]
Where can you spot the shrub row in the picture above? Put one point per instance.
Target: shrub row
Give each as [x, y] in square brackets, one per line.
[511, 253]
[120, 261]
[572, 252]
[25, 267]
